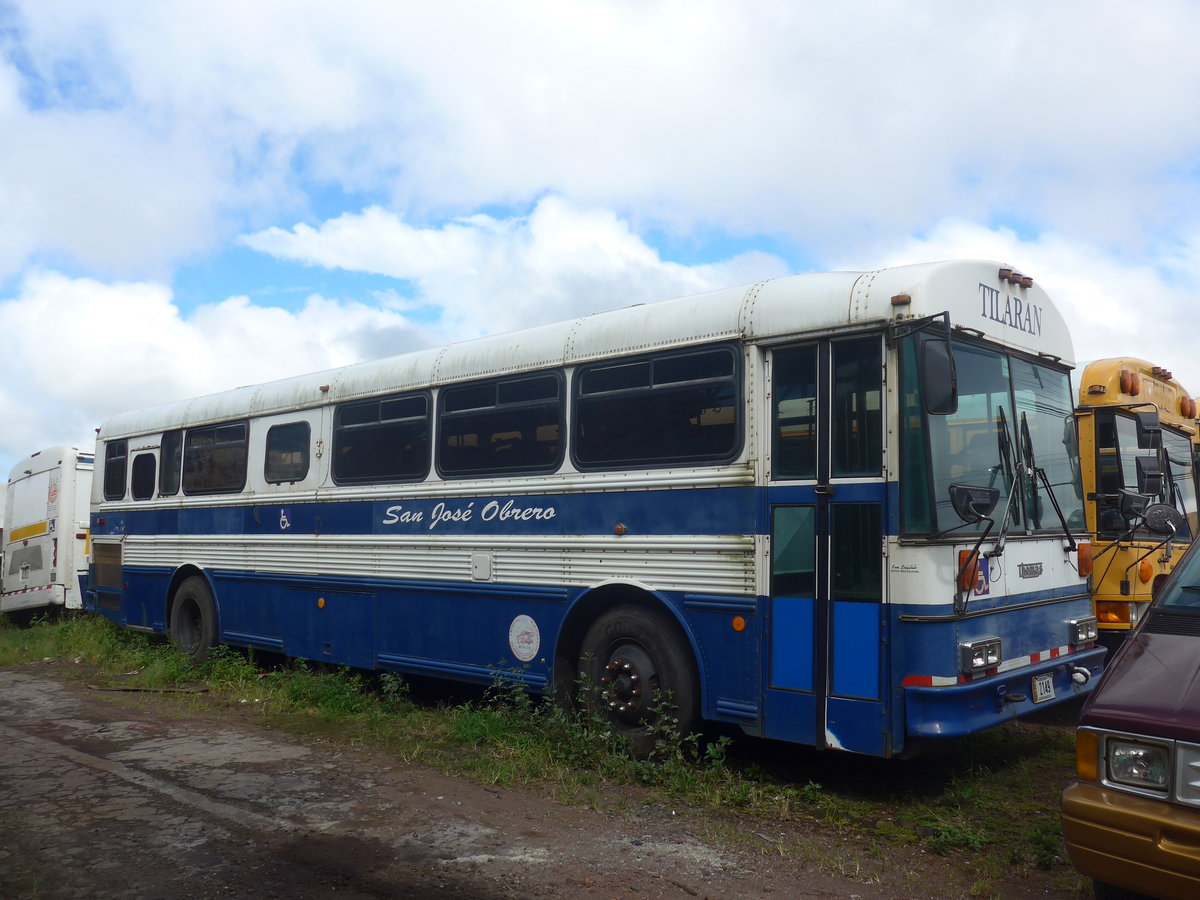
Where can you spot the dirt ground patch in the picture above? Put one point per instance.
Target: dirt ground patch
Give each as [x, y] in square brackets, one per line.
[125, 795]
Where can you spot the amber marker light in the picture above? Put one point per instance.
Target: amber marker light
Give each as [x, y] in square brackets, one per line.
[1145, 571]
[968, 570]
[1086, 765]
[620, 529]
[739, 624]
[1084, 559]
[320, 603]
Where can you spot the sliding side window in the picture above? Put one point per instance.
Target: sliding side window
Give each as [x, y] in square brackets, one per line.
[509, 426]
[214, 459]
[116, 455]
[670, 408]
[384, 439]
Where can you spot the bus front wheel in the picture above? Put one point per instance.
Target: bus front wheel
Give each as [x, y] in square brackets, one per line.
[635, 669]
[194, 619]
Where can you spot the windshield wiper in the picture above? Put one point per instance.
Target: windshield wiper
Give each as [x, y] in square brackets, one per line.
[1006, 460]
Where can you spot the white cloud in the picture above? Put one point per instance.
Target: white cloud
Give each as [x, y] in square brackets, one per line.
[488, 275]
[162, 127]
[74, 351]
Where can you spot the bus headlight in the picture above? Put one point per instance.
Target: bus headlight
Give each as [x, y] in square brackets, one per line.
[980, 654]
[1083, 631]
[1138, 765]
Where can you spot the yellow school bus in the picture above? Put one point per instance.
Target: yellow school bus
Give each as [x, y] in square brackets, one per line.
[1138, 439]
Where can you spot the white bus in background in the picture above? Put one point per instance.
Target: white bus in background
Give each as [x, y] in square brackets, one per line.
[46, 531]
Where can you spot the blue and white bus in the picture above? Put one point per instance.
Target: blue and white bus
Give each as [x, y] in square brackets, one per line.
[837, 509]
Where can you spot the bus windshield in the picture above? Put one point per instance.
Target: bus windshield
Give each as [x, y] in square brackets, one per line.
[1180, 477]
[1119, 453]
[1014, 418]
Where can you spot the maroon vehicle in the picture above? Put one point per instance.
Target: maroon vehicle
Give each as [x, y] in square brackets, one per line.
[1132, 820]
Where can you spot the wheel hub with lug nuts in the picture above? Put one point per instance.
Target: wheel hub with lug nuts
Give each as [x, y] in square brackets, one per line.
[625, 678]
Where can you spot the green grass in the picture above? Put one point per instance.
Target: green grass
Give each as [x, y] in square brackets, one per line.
[990, 800]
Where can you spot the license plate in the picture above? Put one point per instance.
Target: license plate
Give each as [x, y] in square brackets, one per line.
[1043, 687]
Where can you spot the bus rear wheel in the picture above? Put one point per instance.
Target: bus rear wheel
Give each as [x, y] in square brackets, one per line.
[635, 669]
[194, 619]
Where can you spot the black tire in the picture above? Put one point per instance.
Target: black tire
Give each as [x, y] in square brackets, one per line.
[634, 666]
[194, 619]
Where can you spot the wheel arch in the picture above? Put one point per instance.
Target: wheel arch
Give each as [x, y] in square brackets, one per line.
[589, 605]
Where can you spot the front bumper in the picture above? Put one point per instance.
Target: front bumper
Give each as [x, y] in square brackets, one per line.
[1137, 843]
[959, 709]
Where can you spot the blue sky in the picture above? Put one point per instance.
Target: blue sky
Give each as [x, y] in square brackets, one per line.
[199, 194]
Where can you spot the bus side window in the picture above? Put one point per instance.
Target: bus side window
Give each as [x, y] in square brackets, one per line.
[170, 455]
[381, 440]
[115, 455]
[675, 408]
[287, 452]
[501, 427]
[141, 481]
[214, 459]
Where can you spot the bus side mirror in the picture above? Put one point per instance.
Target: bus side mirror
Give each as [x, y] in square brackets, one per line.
[1164, 519]
[1149, 431]
[973, 503]
[1149, 476]
[938, 377]
[1131, 504]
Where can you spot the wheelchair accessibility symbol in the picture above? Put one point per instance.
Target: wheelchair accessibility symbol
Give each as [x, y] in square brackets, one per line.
[284, 522]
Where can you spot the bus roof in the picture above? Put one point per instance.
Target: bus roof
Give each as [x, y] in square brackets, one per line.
[50, 458]
[979, 296]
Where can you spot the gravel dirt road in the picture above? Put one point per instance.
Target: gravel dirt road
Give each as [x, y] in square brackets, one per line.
[110, 794]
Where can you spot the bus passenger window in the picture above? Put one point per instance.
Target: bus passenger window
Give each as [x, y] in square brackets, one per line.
[115, 453]
[141, 482]
[677, 408]
[170, 455]
[214, 459]
[381, 440]
[501, 427]
[287, 452]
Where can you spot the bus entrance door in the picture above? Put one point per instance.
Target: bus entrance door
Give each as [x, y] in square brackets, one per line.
[825, 639]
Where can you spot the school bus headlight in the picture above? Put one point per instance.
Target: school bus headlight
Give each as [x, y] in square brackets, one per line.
[1083, 631]
[1138, 764]
[980, 654]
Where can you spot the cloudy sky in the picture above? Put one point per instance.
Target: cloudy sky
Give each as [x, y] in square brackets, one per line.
[199, 194]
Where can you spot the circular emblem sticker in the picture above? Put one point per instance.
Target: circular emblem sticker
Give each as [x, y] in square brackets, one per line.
[524, 639]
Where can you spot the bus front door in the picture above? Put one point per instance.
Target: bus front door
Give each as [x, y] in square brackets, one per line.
[826, 648]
